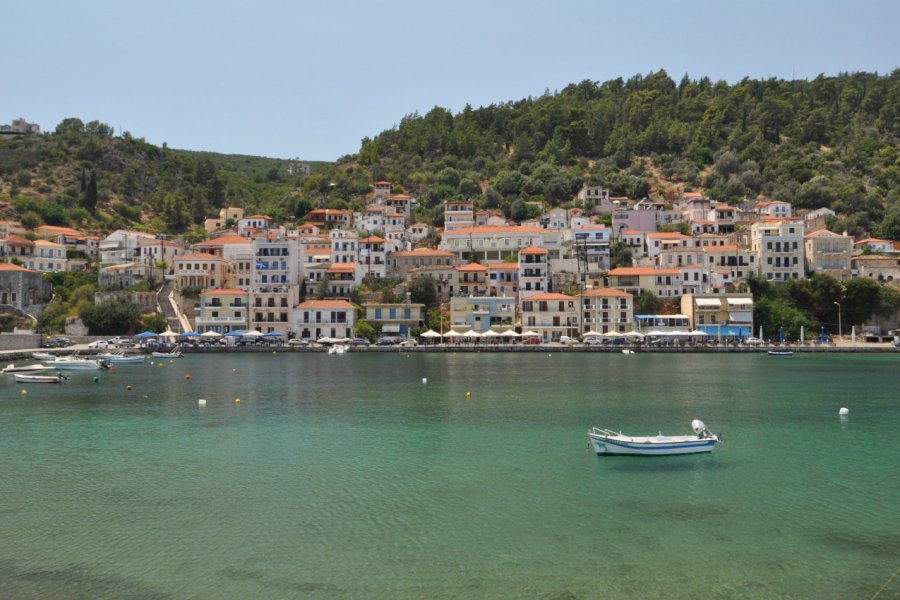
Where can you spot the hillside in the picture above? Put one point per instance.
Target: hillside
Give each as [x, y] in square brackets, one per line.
[832, 142]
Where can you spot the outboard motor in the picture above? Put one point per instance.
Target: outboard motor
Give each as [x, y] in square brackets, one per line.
[700, 429]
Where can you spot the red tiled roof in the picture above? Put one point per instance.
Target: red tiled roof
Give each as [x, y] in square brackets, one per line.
[225, 292]
[626, 271]
[197, 256]
[549, 296]
[533, 250]
[472, 267]
[326, 304]
[602, 292]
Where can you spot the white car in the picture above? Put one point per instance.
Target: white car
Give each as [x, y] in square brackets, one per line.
[753, 341]
[99, 345]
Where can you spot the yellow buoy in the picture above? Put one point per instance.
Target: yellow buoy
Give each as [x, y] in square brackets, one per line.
[237, 400]
[24, 392]
[468, 394]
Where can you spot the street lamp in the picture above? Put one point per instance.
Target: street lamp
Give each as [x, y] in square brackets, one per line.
[840, 332]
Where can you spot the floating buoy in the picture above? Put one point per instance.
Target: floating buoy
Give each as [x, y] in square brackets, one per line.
[844, 412]
[237, 400]
[468, 394]
[234, 370]
[96, 379]
[201, 402]
[24, 392]
[160, 365]
[112, 369]
[187, 375]
[152, 363]
[128, 388]
[424, 380]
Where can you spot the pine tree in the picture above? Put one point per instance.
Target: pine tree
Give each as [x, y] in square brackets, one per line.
[90, 194]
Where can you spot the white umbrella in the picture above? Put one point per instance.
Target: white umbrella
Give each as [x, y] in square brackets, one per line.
[453, 334]
[253, 333]
[697, 332]
[210, 334]
[530, 333]
[472, 333]
[612, 334]
[655, 333]
[510, 333]
[635, 334]
[168, 334]
[592, 333]
[490, 333]
[430, 334]
[674, 333]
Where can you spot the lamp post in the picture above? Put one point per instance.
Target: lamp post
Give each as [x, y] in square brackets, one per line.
[840, 331]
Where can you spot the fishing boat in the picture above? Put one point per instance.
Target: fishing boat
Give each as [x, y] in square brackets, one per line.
[25, 369]
[43, 356]
[22, 378]
[781, 353]
[120, 358]
[72, 363]
[608, 442]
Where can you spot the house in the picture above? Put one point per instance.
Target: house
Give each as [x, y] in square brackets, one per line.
[246, 225]
[551, 315]
[728, 264]
[503, 279]
[774, 209]
[225, 215]
[874, 266]
[274, 282]
[720, 315]
[314, 319]
[123, 276]
[778, 244]
[875, 245]
[159, 252]
[329, 218]
[828, 253]
[458, 215]
[607, 309]
[534, 275]
[592, 246]
[22, 288]
[402, 262]
[482, 314]
[342, 278]
[444, 276]
[472, 279]
[16, 247]
[223, 311]
[487, 244]
[199, 271]
[595, 200]
[395, 318]
[48, 257]
[662, 282]
[382, 190]
[372, 256]
[121, 246]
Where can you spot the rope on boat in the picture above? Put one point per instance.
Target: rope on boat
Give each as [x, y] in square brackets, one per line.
[886, 583]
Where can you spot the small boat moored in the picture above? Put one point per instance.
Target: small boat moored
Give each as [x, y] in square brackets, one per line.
[58, 378]
[120, 358]
[25, 369]
[43, 356]
[608, 442]
[780, 353]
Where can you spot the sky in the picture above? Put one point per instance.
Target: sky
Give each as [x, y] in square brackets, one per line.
[310, 80]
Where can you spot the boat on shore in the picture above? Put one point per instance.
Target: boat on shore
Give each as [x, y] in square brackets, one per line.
[608, 442]
[781, 353]
[25, 369]
[22, 378]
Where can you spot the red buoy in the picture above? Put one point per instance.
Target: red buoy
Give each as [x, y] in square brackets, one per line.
[187, 375]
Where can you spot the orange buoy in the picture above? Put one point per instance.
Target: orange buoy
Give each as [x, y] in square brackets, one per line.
[128, 388]
[187, 376]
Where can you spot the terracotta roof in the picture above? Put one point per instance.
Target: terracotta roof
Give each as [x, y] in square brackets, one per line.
[667, 235]
[225, 292]
[549, 296]
[472, 267]
[12, 267]
[874, 240]
[197, 256]
[485, 230]
[533, 250]
[642, 271]
[822, 233]
[342, 268]
[382, 183]
[593, 228]
[224, 240]
[372, 239]
[633, 232]
[725, 248]
[257, 217]
[17, 240]
[503, 266]
[423, 252]
[325, 304]
[47, 243]
[601, 292]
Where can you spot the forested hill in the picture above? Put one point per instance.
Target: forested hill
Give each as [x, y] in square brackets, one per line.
[832, 141]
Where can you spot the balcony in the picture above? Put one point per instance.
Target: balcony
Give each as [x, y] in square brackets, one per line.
[221, 320]
[197, 272]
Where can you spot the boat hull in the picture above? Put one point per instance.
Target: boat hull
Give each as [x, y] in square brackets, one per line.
[28, 369]
[76, 365]
[166, 354]
[38, 378]
[661, 446]
[120, 359]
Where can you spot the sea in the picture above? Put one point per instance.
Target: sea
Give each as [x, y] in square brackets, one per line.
[394, 475]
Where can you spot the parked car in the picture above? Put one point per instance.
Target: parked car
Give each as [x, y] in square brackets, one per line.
[359, 342]
[532, 341]
[567, 341]
[298, 342]
[59, 342]
[753, 341]
[98, 345]
[121, 342]
[896, 342]
[593, 340]
[388, 340]
[408, 343]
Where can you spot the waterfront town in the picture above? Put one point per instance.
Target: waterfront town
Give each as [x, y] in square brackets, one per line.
[555, 275]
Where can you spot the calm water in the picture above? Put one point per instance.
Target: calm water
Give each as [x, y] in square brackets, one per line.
[347, 477]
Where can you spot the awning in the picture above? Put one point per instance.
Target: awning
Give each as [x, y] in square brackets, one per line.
[743, 316]
[390, 328]
[726, 330]
[708, 302]
[740, 302]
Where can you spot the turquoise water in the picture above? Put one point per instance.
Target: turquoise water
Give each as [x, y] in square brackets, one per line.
[347, 477]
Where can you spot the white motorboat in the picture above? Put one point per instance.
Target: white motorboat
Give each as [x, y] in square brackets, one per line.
[780, 353]
[337, 349]
[176, 353]
[43, 356]
[120, 358]
[608, 442]
[58, 378]
[71, 363]
[25, 369]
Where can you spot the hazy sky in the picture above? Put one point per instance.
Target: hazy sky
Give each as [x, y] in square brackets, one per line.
[311, 79]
